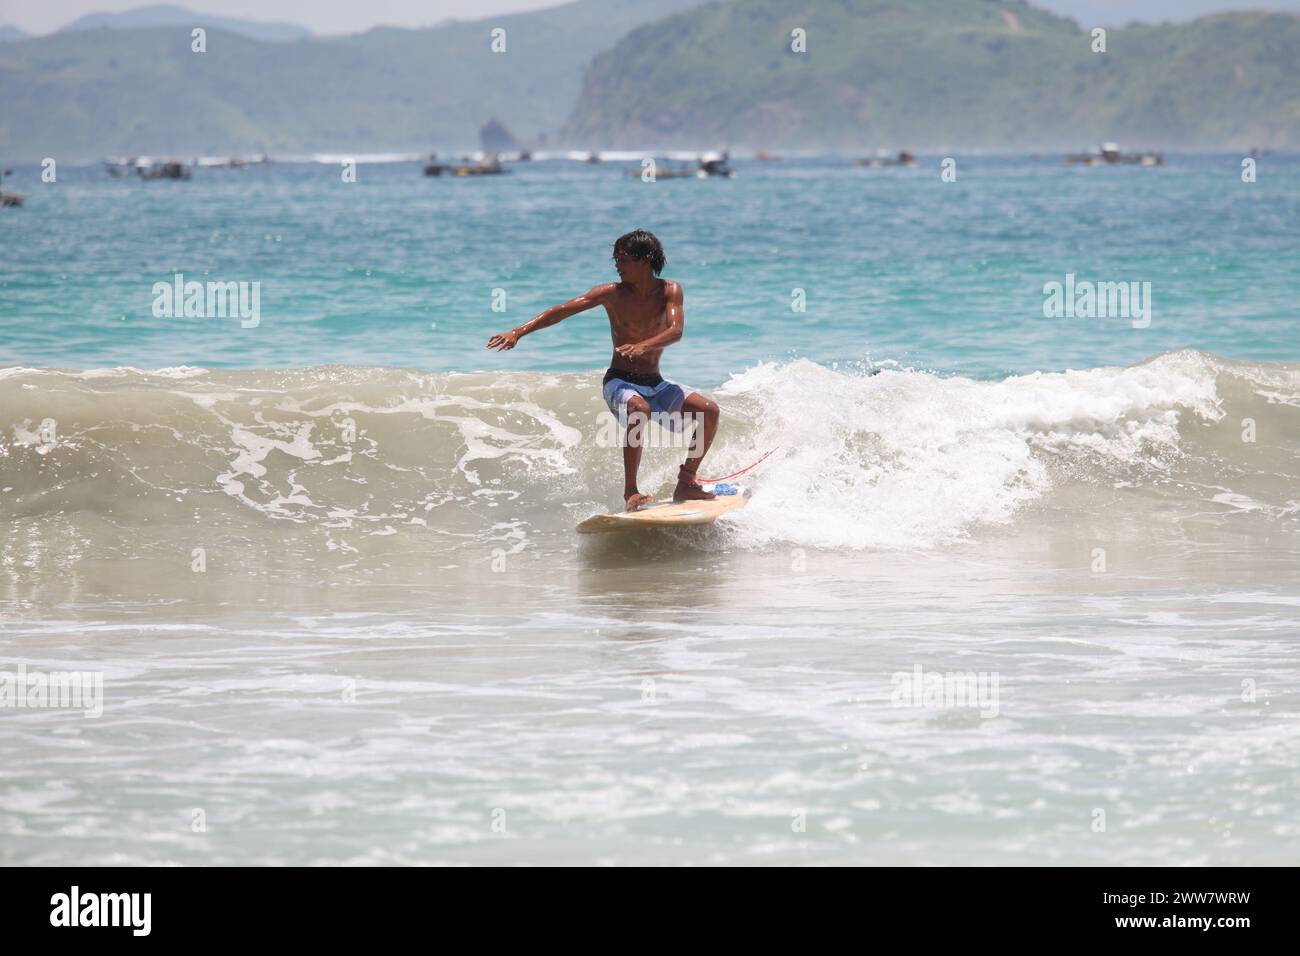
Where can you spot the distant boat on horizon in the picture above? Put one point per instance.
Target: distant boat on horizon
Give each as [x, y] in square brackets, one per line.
[882, 160]
[490, 165]
[1108, 154]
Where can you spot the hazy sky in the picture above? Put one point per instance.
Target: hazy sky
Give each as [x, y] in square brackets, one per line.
[352, 16]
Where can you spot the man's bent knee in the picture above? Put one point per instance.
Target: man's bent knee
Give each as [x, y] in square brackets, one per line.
[636, 415]
[695, 402]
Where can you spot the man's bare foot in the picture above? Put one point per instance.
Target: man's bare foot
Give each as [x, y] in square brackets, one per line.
[635, 500]
[688, 489]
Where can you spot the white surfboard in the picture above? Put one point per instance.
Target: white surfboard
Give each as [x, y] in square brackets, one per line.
[665, 514]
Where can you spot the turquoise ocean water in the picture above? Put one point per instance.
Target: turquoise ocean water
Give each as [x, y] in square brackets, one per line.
[398, 269]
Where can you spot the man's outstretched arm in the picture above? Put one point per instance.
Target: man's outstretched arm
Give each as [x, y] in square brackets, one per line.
[505, 341]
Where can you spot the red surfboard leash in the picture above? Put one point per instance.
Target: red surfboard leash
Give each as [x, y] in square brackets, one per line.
[709, 481]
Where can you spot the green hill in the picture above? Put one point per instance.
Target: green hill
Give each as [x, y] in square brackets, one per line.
[84, 94]
[168, 16]
[995, 74]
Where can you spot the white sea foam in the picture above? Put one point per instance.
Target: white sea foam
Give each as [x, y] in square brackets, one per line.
[911, 459]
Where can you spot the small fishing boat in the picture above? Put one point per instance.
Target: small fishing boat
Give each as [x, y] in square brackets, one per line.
[882, 160]
[1109, 155]
[490, 165]
[9, 199]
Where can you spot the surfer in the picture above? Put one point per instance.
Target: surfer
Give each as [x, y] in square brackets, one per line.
[645, 317]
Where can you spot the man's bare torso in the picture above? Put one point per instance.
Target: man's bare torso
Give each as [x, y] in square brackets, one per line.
[633, 319]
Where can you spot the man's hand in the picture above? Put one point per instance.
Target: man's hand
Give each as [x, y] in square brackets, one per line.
[504, 341]
[633, 351]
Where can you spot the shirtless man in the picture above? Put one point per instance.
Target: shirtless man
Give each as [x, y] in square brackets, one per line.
[645, 317]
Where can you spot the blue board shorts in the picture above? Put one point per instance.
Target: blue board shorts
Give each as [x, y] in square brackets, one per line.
[665, 398]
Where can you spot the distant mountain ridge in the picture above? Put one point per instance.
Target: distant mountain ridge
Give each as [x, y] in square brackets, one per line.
[86, 94]
[992, 74]
[166, 15]
[920, 74]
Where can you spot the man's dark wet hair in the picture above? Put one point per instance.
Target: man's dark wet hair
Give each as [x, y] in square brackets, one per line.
[640, 244]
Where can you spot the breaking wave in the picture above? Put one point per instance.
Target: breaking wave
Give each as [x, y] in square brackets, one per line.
[339, 456]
